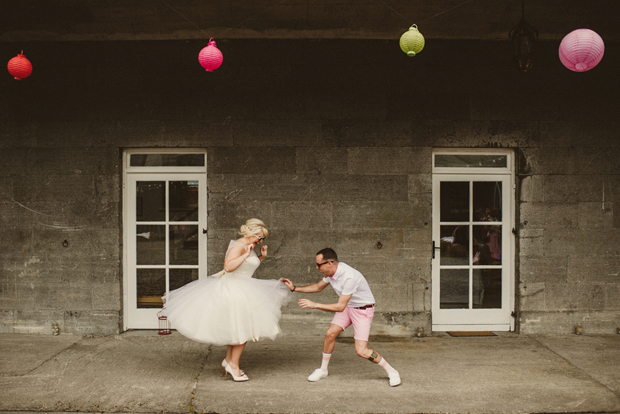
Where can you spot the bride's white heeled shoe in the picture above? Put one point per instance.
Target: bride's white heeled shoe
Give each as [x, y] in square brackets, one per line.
[225, 364]
[235, 378]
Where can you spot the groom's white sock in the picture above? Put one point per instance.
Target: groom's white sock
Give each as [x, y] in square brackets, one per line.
[387, 367]
[325, 361]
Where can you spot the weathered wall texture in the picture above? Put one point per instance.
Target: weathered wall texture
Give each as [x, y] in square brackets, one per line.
[330, 143]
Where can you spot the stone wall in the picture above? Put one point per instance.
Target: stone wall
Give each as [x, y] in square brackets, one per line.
[330, 143]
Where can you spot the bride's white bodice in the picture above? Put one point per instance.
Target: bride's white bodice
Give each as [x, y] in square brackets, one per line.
[250, 264]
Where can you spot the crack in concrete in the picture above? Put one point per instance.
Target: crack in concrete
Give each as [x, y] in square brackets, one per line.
[578, 368]
[195, 386]
[46, 361]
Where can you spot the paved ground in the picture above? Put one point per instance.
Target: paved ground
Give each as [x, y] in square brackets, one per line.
[142, 372]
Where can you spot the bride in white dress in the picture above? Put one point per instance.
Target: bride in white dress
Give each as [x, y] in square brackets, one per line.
[231, 308]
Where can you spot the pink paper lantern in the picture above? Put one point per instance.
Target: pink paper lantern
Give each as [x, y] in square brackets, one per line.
[581, 50]
[210, 57]
[19, 67]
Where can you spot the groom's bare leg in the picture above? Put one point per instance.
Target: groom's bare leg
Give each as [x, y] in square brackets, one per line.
[329, 344]
[328, 347]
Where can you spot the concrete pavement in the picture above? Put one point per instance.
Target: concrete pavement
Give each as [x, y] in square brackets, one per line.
[142, 372]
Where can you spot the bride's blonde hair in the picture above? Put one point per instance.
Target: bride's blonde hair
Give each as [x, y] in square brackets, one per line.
[252, 227]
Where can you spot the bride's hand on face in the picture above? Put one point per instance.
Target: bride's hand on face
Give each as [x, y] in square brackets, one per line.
[248, 251]
[263, 251]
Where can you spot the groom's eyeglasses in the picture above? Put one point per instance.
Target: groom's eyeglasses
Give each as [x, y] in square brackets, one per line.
[318, 265]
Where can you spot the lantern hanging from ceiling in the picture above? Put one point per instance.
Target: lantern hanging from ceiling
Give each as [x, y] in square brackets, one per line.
[210, 57]
[412, 41]
[581, 50]
[523, 36]
[19, 67]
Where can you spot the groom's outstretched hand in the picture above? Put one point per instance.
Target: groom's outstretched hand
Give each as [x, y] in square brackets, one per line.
[288, 283]
[305, 303]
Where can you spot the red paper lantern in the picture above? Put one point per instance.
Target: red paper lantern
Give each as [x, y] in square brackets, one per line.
[210, 57]
[581, 50]
[20, 67]
[164, 324]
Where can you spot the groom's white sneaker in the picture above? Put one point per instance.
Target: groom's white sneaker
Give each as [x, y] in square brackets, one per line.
[394, 379]
[317, 375]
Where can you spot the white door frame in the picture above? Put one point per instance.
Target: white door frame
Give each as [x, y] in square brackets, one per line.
[146, 318]
[476, 319]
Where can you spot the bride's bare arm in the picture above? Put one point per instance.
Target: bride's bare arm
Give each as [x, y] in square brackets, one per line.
[235, 257]
[263, 253]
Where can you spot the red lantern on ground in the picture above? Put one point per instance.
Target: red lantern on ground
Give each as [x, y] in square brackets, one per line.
[19, 67]
[164, 324]
[210, 57]
[581, 50]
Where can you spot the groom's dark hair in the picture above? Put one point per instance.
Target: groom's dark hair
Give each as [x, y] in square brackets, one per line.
[328, 254]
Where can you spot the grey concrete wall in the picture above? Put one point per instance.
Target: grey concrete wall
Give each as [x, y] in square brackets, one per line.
[330, 143]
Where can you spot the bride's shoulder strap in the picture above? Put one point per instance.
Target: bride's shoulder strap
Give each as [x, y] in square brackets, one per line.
[235, 242]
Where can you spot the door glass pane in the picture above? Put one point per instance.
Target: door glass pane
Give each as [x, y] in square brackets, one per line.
[487, 201]
[150, 245]
[167, 160]
[454, 201]
[150, 201]
[470, 161]
[487, 288]
[181, 277]
[183, 200]
[487, 245]
[454, 245]
[454, 289]
[151, 286]
[183, 245]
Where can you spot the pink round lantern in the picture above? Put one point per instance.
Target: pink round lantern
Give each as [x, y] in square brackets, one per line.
[19, 67]
[581, 50]
[210, 57]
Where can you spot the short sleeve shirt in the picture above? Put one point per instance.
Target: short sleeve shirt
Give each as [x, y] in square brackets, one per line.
[349, 281]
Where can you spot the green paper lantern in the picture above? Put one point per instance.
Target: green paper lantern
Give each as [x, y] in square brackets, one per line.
[412, 41]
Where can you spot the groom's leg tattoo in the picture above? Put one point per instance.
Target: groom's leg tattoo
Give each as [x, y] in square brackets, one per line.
[373, 356]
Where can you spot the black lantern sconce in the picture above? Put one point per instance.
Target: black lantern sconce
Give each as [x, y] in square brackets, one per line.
[523, 36]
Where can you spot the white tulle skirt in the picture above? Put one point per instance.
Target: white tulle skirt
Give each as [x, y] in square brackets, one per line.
[228, 310]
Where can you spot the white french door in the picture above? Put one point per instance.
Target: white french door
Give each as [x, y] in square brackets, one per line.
[165, 221]
[473, 243]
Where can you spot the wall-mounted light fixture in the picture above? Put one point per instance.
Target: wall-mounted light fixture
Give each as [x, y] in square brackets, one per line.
[523, 36]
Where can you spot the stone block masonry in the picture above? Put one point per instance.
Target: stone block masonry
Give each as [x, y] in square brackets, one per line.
[333, 152]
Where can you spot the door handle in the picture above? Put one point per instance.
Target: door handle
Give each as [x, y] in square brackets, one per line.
[435, 248]
[204, 231]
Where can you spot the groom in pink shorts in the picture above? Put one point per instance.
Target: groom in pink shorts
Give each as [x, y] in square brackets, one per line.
[356, 306]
